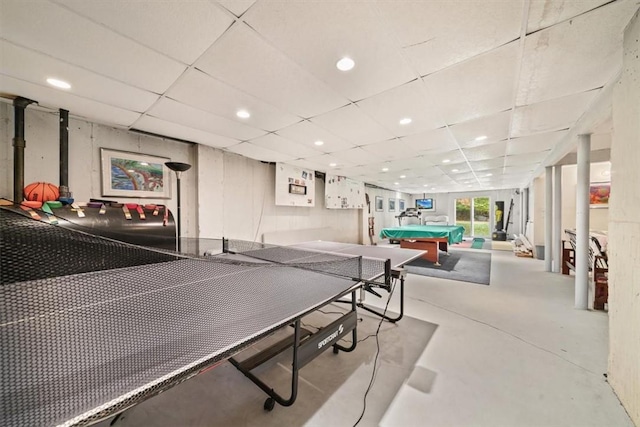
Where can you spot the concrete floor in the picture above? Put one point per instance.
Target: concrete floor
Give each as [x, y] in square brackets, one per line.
[515, 353]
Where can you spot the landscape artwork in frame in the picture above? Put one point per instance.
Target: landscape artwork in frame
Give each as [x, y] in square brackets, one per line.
[379, 204]
[126, 174]
[401, 205]
[599, 194]
[392, 205]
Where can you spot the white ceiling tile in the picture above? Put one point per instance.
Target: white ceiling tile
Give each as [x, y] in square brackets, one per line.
[181, 30]
[547, 116]
[486, 152]
[407, 101]
[438, 140]
[455, 169]
[353, 125]
[176, 112]
[495, 127]
[356, 156]
[323, 162]
[173, 130]
[256, 152]
[306, 132]
[199, 90]
[350, 29]
[97, 49]
[285, 146]
[475, 88]
[526, 159]
[237, 7]
[535, 143]
[438, 158]
[391, 149]
[482, 165]
[437, 34]
[36, 68]
[84, 108]
[303, 164]
[575, 56]
[521, 169]
[260, 69]
[545, 13]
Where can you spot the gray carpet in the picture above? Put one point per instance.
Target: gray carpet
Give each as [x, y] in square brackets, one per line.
[465, 266]
[330, 392]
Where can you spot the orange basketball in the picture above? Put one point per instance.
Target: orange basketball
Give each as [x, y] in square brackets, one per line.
[41, 192]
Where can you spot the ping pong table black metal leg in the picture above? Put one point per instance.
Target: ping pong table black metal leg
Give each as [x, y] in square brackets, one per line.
[306, 347]
[354, 332]
[383, 315]
[273, 395]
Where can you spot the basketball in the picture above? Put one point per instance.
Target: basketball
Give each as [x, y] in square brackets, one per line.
[41, 192]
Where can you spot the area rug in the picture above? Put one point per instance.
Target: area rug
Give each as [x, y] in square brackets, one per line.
[224, 397]
[478, 243]
[465, 266]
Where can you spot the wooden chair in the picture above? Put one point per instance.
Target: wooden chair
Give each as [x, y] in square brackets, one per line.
[598, 265]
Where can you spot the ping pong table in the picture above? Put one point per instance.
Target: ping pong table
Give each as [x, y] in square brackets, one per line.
[125, 323]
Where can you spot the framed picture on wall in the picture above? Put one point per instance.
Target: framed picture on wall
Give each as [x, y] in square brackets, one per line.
[379, 204]
[127, 174]
[401, 205]
[599, 194]
[392, 205]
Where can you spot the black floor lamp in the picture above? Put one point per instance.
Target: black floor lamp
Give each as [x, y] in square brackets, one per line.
[178, 168]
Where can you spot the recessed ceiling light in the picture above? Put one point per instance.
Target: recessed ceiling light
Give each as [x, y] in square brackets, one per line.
[469, 185]
[446, 161]
[426, 185]
[489, 174]
[333, 165]
[319, 143]
[58, 83]
[405, 121]
[345, 64]
[454, 170]
[403, 176]
[243, 114]
[385, 169]
[481, 138]
[396, 183]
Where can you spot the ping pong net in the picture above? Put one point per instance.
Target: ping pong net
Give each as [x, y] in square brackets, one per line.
[370, 271]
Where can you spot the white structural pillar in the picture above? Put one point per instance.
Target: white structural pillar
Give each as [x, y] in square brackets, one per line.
[557, 219]
[548, 216]
[582, 223]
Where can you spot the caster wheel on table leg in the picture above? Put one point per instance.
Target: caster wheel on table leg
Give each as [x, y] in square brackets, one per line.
[269, 404]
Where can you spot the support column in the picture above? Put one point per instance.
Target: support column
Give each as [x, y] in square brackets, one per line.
[548, 216]
[582, 223]
[557, 219]
[525, 210]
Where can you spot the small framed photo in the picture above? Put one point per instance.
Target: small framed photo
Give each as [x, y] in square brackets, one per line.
[599, 194]
[127, 174]
[379, 204]
[401, 205]
[297, 189]
[392, 205]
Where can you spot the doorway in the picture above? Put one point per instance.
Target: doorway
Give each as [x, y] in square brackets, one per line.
[474, 214]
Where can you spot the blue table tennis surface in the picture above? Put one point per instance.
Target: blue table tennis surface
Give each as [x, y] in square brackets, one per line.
[81, 347]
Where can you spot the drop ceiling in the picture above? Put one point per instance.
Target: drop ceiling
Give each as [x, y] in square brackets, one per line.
[492, 88]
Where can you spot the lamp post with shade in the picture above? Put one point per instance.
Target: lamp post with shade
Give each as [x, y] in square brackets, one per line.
[178, 168]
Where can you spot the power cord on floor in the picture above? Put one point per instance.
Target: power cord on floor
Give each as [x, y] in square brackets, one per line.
[375, 360]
